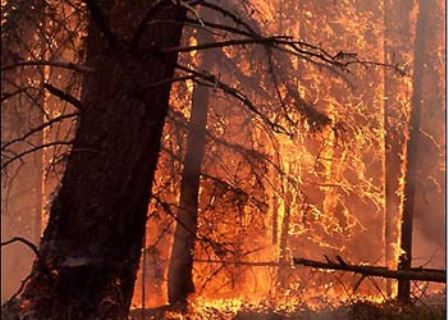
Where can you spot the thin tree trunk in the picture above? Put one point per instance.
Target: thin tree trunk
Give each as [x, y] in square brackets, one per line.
[180, 277]
[39, 156]
[38, 191]
[20, 30]
[274, 220]
[282, 272]
[144, 262]
[396, 27]
[283, 245]
[411, 176]
[90, 250]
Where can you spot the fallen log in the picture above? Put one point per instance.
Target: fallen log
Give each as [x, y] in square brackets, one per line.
[417, 274]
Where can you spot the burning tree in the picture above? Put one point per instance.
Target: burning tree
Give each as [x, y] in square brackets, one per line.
[91, 246]
[252, 111]
[90, 249]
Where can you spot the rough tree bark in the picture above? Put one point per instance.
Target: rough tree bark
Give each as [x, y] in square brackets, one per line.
[396, 27]
[180, 276]
[89, 253]
[411, 174]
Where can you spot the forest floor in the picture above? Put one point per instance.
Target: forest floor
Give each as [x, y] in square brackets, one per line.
[433, 308]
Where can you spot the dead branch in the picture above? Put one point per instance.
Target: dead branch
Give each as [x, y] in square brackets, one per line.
[21, 287]
[57, 64]
[214, 82]
[418, 274]
[36, 148]
[63, 96]
[39, 128]
[222, 44]
[241, 263]
[26, 242]
[8, 95]
[226, 13]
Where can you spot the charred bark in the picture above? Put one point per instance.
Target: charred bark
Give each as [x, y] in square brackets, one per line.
[91, 248]
[411, 175]
[180, 277]
[396, 21]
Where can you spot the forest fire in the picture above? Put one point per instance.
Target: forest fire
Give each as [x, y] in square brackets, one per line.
[223, 160]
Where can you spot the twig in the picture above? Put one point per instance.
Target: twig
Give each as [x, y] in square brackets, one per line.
[22, 286]
[58, 64]
[26, 242]
[24, 153]
[63, 96]
[39, 128]
[222, 44]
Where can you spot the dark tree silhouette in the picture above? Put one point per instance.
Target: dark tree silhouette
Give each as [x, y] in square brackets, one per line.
[90, 250]
[412, 163]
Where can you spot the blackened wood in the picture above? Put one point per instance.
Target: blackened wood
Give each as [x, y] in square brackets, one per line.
[91, 247]
[412, 163]
[180, 275]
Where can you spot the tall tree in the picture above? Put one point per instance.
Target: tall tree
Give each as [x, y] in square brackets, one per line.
[284, 235]
[21, 110]
[396, 29]
[90, 250]
[412, 161]
[180, 278]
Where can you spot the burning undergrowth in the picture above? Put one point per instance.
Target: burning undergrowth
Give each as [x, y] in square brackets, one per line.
[433, 308]
[269, 158]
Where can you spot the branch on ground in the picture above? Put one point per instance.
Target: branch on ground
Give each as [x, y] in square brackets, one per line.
[418, 274]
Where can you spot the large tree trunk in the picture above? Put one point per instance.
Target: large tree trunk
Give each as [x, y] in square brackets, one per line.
[396, 45]
[180, 278]
[90, 250]
[411, 175]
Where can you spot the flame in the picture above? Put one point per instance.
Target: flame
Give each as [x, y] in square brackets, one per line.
[318, 193]
[334, 179]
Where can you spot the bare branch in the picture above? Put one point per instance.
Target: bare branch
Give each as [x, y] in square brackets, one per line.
[36, 148]
[26, 242]
[63, 96]
[214, 82]
[419, 274]
[39, 128]
[57, 64]
[222, 44]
